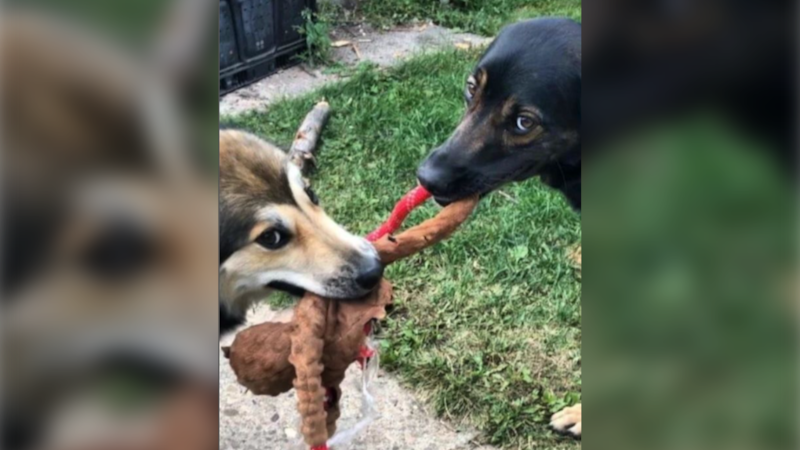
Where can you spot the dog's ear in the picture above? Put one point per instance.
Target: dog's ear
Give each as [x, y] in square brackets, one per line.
[579, 75]
[579, 106]
[564, 175]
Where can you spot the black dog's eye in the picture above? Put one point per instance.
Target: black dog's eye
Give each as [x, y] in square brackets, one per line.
[525, 124]
[472, 87]
[273, 239]
[312, 196]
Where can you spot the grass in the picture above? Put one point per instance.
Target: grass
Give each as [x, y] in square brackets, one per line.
[484, 17]
[487, 324]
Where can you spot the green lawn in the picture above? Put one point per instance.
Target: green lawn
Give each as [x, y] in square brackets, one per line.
[484, 17]
[487, 324]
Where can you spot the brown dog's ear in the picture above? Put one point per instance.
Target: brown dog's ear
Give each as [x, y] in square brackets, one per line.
[226, 351]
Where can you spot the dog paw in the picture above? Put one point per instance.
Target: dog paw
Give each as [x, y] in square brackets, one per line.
[568, 421]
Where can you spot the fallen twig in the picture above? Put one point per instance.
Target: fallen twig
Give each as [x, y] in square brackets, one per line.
[305, 141]
[509, 197]
[358, 53]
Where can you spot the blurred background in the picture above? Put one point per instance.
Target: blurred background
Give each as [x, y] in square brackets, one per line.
[689, 221]
[109, 224]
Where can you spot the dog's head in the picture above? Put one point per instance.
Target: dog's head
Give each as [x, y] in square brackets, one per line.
[523, 112]
[273, 233]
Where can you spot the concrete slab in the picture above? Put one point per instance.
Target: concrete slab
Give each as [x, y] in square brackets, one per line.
[384, 48]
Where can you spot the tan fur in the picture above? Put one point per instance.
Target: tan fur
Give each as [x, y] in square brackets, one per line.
[569, 420]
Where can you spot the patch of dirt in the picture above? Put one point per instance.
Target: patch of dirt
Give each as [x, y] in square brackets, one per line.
[250, 422]
[384, 48]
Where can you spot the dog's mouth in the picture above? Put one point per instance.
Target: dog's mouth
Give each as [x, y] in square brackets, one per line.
[446, 200]
[297, 291]
[289, 288]
[443, 201]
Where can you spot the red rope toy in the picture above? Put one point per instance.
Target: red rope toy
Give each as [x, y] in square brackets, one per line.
[411, 200]
[401, 210]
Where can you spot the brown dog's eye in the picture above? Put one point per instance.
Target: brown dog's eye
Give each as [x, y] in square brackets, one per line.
[119, 250]
[272, 239]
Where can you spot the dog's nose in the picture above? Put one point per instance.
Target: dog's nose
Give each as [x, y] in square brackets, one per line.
[370, 274]
[431, 179]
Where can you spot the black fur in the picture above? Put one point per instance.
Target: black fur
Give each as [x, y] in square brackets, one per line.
[119, 250]
[227, 321]
[234, 229]
[537, 63]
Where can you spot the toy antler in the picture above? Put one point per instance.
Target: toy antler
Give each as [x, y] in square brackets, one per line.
[426, 234]
[326, 335]
[308, 343]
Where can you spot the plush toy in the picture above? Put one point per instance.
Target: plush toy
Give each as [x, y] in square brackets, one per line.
[312, 352]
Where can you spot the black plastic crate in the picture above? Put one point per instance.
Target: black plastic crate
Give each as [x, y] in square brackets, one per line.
[255, 26]
[291, 12]
[258, 37]
[228, 52]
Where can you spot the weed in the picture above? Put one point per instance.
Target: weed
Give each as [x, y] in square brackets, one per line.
[318, 41]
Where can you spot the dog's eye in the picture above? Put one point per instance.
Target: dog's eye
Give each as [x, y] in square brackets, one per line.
[272, 239]
[471, 88]
[121, 249]
[312, 196]
[525, 124]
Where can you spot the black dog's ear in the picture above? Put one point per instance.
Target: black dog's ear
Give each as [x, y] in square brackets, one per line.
[579, 76]
[572, 191]
[564, 175]
[573, 188]
[580, 98]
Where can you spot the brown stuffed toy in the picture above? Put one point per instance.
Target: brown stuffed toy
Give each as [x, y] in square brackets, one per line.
[312, 352]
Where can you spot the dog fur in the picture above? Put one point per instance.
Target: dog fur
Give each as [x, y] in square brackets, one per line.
[274, 235]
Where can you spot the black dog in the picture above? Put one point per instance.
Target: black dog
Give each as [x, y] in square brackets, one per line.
[523, 116]
[523, 120]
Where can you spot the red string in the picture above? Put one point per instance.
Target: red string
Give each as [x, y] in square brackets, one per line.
[320, 447]
[411, 200]
[402, 209]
